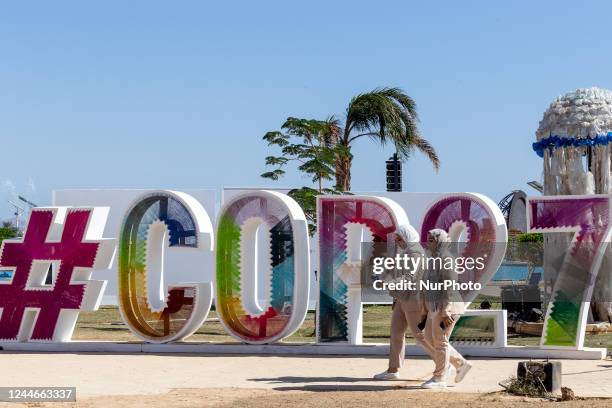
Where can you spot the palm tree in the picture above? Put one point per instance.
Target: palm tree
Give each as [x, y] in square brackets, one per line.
[384, 115]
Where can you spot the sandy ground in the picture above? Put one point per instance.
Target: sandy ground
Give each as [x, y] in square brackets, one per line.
[204, 380]
[260, 398]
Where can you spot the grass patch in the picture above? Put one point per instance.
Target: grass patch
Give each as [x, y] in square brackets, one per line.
[106, 324]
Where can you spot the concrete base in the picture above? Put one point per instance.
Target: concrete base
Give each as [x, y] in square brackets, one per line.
[373, 349]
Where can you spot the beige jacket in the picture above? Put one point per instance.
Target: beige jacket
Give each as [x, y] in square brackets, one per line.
[411, 299]
[448, 301]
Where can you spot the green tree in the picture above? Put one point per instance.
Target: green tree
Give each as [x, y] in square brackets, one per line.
[312, 145]
[385, 115]
[526, 247]
[7, 231]
[322, 149]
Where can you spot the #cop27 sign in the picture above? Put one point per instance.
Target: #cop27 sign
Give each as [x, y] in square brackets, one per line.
[70, 240]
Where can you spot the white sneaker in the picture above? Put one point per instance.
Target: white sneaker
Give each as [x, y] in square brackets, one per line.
[450, 372]
[387, 376]
[433, 384]
[462, 371]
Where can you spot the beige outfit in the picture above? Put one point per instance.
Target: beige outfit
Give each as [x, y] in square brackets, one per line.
[405, 315]
[438, 338]
[408, 315]
[409, 310]
[440, 304]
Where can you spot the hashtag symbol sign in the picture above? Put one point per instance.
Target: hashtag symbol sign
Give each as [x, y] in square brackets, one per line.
[69, 239]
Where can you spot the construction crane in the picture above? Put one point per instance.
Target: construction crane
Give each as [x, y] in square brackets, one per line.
[28, 202]
[18, 212]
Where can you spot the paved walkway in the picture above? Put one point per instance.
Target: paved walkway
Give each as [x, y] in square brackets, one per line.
[123, 374]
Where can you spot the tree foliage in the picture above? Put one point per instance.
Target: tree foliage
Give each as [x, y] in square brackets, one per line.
[8, 231]
[385, 115]
[310, 143]
[322, 149]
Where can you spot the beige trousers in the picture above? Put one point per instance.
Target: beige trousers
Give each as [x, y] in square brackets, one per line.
[442, 353]
[404, 316]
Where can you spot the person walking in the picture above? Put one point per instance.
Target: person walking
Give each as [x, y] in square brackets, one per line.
[407, 309]
[444, 307]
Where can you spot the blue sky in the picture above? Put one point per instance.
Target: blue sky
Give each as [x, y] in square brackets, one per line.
[178, 94]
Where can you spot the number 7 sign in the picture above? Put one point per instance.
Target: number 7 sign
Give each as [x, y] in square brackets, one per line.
[588, 217]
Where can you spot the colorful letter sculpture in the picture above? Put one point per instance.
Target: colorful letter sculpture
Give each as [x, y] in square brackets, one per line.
[159, 222]
[66, 242]
[588, 217]
[237, 304]
[166, 232]
[339, 310]
[484, 226]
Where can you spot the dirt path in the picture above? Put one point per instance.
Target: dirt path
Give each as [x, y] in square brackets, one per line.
[255, 398]
[167, 381]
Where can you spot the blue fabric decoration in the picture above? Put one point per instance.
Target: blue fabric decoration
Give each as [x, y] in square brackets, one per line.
[553, 142]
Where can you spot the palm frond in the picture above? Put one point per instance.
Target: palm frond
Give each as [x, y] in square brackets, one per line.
[387, 115]
[424, 147]
[331, 131]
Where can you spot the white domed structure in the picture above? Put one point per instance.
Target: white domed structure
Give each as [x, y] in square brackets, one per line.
[586, 112]
[575, 140]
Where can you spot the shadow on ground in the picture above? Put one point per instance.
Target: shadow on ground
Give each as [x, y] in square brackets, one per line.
[339, 384]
